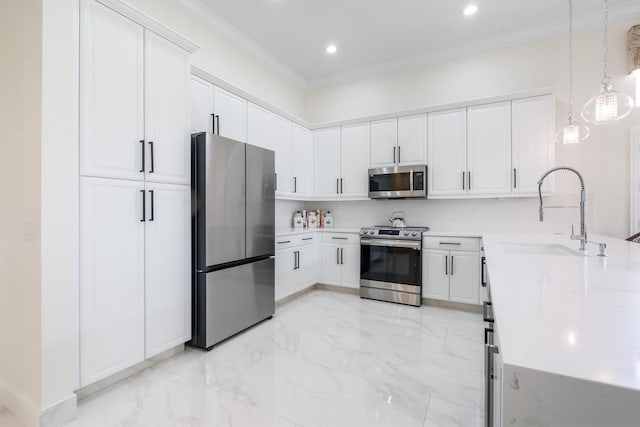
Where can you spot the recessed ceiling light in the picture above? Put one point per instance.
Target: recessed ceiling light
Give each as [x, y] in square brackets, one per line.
[470, 10]
[332, 48]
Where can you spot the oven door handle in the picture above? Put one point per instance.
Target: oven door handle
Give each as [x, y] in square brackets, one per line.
[409, 244]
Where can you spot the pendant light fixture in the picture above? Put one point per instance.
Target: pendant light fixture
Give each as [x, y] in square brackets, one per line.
[609, 105]
[573, 132]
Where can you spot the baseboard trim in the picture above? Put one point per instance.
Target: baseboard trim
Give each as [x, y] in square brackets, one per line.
[21, 405]
[61, 413]
[470, 308]
[105, 383]
[334, 288]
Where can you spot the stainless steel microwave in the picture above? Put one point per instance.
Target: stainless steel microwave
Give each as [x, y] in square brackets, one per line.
[398, 182]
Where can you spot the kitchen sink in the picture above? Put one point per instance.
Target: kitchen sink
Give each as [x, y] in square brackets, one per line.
[540, 249]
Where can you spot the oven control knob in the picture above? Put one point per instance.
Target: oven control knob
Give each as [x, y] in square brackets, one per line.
[365, 231]
[406, 233]
[414, 234]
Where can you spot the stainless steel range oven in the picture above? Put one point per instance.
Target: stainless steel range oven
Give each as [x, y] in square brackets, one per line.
[391, 264]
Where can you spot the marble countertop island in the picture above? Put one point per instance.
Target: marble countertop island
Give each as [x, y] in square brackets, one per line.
[568, 326]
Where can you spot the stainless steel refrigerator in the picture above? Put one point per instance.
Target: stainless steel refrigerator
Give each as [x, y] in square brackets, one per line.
[233, 193]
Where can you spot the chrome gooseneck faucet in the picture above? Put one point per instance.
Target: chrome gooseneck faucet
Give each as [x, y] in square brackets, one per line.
[583, 208]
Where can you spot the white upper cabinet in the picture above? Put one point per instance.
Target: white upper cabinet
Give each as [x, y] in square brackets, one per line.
[384, 143]
[412, 140]
[260, 127]
[326, 178]
[168, 157]
[532, 143]
[134, 101]
[167, 267]
[282, 139]
[302, 161]
[447, 152]
[355, 143]
[489, 148]
[201, 105]
[111, 94]
[231, 115]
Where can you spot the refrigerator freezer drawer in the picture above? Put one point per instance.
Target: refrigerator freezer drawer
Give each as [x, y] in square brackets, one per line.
[234, 299]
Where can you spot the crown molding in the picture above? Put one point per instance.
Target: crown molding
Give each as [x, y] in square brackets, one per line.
[206, 16]
[126, 9]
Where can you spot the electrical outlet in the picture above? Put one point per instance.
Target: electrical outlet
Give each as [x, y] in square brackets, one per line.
[28, 231]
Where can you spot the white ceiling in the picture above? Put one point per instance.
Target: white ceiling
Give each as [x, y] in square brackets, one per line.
[379, 35]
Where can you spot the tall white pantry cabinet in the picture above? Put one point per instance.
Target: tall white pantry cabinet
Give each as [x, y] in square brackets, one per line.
[135, 207]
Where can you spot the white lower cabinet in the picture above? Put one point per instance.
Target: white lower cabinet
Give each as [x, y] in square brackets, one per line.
[341, 259]
[297, 263]
[135, 252]
[450, 274]
[167, 267]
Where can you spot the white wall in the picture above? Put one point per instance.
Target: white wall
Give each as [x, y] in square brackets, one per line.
[603, 159]
[20, 91]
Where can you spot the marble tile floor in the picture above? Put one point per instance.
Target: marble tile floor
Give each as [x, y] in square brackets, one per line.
[325, 359]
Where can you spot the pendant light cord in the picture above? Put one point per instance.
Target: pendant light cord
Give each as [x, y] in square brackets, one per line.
[570, 62]
[605, 46]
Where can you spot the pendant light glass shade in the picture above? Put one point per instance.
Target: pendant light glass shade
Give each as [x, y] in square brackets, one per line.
[609, 105]
[572, 133]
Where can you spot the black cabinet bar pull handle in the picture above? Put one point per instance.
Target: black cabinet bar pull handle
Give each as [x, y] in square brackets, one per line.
[307, 238]
[284, 241]
[213, 123]
[452, 265]
[339, 238]
[399, 155]
[152, 204]
[341, 256]
[337, 255]
[295, 184]
[341, 188]
[446, 265]
[152, 163]
[218, 123]
[487, 331]
[394, 154]
[144, 206]
[463, 184]
[142, 145]
[483, 274]
[275, 180]
[515, 182]
[469, 186]
[338, 185]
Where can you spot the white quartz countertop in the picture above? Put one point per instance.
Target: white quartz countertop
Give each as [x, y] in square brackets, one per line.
[567, 314]
[293, 231]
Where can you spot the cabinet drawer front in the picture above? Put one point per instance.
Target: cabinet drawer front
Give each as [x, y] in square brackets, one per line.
[285, 242]
[452, 243]
[306, 239]
[341, 238]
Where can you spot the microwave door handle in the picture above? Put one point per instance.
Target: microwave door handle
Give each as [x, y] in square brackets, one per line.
[411, 180]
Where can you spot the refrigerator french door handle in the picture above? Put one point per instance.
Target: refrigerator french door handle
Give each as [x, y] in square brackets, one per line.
[144, 206]
[151, 193]
[152, 162]
[142, 148]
